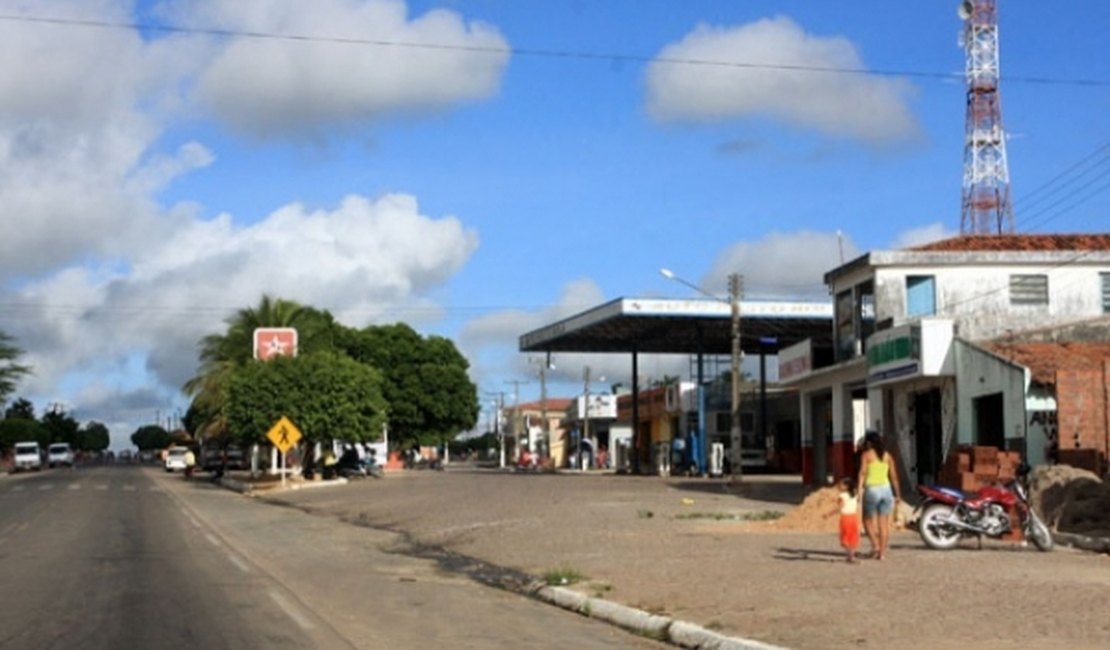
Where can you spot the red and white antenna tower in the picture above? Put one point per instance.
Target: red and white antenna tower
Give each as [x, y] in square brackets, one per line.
[986, 209]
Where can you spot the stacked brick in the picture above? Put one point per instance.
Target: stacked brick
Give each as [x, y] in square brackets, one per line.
[969, 468]
[972, 467]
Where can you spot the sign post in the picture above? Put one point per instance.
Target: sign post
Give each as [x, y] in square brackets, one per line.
[284, 435]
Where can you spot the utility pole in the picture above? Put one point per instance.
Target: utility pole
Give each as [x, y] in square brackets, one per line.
[585, 415]
[545, 365]
[735, 290]
[497, 433]
[516, 410]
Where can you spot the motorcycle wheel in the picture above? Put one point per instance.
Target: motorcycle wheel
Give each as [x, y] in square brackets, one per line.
[936, 534]
[1038, 533]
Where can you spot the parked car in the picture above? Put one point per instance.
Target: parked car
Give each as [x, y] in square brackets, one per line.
[28, 456]
[175, 458]
[59, 453]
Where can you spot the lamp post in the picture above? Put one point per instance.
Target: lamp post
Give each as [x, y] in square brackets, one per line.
[735, 290]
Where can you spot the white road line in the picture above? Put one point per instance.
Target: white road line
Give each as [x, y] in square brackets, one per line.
[129, 488]
[212, 539]
[102, 487]
[19, 488]
[75, 486]
[46, 486]
[291, 611]
[242, 566]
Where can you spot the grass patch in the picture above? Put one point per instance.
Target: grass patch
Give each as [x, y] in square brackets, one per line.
[601, 588]
[563, 576]
[645, 514]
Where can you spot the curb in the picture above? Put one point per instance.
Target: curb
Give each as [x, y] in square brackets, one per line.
[1087, 543]
[247, 489]
[653, 626]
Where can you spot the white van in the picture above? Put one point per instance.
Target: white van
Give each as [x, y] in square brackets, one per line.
[28, 456]
[59, 453]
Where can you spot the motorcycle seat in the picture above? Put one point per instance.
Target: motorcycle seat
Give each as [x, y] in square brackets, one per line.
[953, 492]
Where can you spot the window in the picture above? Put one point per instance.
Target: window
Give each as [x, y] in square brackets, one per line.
[1028, 289]
[921, 297]
[1105, 292]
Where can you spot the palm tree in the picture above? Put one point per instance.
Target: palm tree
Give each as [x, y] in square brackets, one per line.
[10, 371]
[221, 354]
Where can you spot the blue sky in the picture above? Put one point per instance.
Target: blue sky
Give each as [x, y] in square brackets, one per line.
[152, 182]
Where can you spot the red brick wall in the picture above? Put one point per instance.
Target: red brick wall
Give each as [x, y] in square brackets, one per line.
[1082, 400]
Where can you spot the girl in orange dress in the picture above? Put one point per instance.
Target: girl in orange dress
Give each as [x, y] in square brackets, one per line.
[848, 507]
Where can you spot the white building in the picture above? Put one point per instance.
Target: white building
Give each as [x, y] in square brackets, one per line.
[906, 359]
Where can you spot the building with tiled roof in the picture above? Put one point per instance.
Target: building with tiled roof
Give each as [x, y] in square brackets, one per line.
[916, 353]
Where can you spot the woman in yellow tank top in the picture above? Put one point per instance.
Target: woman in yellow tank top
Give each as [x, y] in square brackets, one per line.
[880, 492]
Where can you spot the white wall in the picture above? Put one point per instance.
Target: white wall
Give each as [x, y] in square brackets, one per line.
[978, 296]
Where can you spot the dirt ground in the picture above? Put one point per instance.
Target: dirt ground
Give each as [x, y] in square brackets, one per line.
[682, 547]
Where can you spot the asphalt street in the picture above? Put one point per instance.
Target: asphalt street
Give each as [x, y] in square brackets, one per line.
[131, 557]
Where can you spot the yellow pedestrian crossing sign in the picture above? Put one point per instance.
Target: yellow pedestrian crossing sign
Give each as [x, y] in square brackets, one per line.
[284, 434]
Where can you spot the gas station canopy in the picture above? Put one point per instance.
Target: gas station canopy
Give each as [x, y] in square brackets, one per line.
[684, 327]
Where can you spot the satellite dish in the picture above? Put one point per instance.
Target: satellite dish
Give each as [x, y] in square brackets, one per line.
[964, 10]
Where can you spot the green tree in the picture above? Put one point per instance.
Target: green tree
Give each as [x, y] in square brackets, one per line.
[15, 430]
[93, 437]
[21, 408]
[151, 437]
[431, 398]
[327, 395]
[10, 371]
[222, 354]
[62, 427]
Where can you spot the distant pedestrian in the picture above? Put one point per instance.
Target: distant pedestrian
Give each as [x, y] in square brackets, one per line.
[847, 506]
[190, 463]
[880, 492]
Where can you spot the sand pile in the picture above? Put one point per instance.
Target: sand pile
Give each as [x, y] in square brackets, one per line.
[813, 514]
[1071, 500]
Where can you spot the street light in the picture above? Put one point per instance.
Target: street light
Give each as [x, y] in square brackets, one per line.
[735, 289]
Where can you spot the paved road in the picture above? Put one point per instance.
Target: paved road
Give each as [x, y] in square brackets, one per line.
[103, 558]
[130, 557]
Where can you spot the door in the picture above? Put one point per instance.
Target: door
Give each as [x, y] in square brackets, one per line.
[929, 435]
[990, 430]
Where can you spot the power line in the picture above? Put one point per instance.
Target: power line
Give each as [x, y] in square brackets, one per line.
[531, 52]
[1053, 186]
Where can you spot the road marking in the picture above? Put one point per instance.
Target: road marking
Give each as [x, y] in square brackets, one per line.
[129, 488]
[19, 488]
[102, 487]
[212, 538]
[238, 563]
[46, 486]
[75, 486]
[291, 611]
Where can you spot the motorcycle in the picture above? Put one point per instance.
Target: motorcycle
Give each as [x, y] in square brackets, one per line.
[946, 515]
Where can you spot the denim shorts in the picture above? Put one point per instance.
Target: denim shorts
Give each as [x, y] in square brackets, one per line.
[878, 500]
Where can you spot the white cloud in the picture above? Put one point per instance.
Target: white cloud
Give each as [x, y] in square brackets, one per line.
[74, 181]
[785, 266]
[923, 235]
[866, 107]
[274, 86]
[359, 260]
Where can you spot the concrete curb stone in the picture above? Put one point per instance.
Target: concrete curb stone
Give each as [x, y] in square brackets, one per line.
[247, 489]
[663, 628]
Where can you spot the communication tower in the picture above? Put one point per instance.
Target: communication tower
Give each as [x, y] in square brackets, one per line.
[986, 207]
